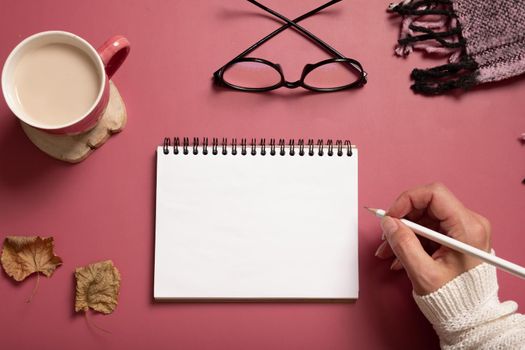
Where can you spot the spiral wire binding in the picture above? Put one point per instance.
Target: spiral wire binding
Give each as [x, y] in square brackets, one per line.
[263, 147]
[279, 146]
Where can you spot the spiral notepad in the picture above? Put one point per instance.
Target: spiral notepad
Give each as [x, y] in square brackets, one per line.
[255, 219]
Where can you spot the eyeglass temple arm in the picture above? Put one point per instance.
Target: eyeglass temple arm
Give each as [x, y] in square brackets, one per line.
[300, 29]
[279, 30]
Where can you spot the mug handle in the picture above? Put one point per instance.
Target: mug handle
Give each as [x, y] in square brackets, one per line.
[113, 53]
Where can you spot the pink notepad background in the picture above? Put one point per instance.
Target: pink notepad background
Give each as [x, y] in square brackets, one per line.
[104, 207]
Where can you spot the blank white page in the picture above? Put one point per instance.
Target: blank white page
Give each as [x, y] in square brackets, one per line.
[256, 227]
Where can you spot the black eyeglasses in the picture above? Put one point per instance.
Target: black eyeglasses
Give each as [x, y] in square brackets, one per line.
[258, 75]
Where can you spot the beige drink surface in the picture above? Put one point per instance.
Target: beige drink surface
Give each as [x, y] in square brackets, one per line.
[56, 84]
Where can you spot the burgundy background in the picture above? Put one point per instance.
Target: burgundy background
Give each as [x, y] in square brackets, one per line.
[103, 208]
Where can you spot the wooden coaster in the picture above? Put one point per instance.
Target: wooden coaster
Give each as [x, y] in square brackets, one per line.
[76, 148]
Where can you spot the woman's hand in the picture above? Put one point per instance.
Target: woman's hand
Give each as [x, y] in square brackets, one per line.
[429, 265]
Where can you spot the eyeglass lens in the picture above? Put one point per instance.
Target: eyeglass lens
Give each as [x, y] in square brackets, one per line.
[331, 75]
[252, 75]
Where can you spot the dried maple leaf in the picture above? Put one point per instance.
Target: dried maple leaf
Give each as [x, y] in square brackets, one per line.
[22, 256]
[98, 287]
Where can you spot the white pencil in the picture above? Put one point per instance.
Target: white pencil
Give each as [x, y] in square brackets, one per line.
[459, 246]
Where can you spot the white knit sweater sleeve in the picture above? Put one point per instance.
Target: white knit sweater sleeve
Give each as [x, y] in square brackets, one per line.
[467, 314]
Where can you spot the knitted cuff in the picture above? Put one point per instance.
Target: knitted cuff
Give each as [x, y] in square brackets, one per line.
[468, 300]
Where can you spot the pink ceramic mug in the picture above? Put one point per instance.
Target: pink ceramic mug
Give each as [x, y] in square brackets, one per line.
[106, 60]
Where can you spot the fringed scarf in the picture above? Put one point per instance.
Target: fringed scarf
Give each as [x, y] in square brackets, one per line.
[484, 39]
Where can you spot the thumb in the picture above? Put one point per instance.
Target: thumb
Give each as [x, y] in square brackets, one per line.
[408, 249]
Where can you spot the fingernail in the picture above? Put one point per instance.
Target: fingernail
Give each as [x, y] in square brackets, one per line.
[380, 249]
[388, 225]
[396, 265]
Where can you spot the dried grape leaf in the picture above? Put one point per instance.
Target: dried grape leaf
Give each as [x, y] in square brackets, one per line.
[98, 287]
[23, 255]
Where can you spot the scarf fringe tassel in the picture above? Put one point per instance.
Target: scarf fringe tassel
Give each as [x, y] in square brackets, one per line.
[432, 26]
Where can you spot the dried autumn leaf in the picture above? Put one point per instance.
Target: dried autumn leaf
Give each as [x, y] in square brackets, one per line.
[22, 256]
[98, 287]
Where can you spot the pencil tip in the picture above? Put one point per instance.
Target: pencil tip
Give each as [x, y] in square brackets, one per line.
[373, 210]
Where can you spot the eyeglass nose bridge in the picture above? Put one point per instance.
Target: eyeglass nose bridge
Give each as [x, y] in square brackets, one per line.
[292, 84]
